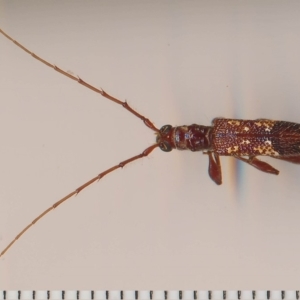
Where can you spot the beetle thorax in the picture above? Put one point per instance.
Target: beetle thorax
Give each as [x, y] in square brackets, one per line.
[194, 137]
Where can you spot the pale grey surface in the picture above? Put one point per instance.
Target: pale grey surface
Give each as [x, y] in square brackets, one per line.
[160, 223]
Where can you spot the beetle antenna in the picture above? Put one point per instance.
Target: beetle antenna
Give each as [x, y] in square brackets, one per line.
[122, 164]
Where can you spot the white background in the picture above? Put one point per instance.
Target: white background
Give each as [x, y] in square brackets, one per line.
[159, 223]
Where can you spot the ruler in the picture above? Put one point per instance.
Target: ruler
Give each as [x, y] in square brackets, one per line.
[145, 295]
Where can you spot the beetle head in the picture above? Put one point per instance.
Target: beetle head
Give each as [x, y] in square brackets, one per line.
[164, 138]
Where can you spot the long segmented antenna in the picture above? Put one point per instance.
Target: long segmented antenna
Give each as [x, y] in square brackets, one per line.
[78, 190]
[124, 104]
[100, 91]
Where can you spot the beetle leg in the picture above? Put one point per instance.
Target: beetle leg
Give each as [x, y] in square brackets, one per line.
[260, 165]
[292, 159]
[214, 167]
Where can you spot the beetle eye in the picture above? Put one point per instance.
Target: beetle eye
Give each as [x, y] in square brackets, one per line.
[165, 129]
[165, 146]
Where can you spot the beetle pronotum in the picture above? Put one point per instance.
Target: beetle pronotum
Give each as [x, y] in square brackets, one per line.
[242, 139]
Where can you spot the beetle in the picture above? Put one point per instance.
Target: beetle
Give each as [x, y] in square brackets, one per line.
[241, 139]
[236, 138]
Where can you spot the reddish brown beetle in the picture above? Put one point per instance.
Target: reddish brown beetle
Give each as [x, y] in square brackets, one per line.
[242, 139]
[237, 138]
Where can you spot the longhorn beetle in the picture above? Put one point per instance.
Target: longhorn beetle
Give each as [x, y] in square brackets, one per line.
[241, 139]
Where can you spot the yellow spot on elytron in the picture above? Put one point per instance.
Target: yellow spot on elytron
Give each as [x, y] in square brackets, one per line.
[234, 123]
[246, 128]
[267, 124]
[245, 142]
[266, 150]
[232, 149]
[259, 149]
